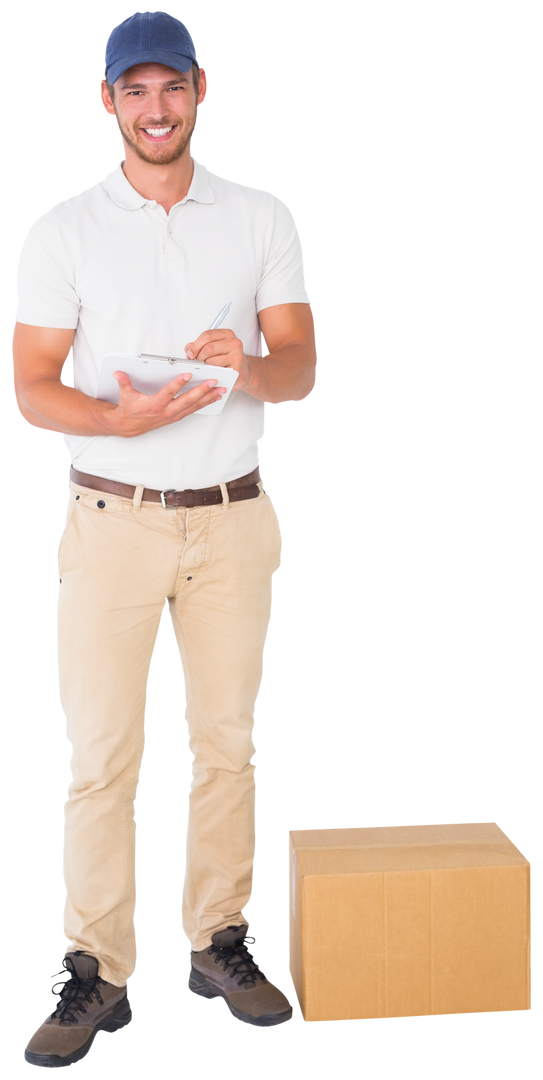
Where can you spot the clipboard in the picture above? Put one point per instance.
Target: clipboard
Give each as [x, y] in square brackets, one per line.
[149, 372]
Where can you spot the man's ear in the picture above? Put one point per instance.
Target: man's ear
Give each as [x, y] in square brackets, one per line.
[202, 87]
[102, 97]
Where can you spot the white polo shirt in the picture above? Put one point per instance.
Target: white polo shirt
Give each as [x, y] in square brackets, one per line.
[130, 278]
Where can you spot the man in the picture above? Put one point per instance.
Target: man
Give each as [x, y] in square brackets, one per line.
[164, 504]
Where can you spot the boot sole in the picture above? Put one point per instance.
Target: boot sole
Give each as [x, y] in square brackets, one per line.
[119, 1018]
[205, 988]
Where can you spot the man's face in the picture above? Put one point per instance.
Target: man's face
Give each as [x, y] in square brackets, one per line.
[155, 108]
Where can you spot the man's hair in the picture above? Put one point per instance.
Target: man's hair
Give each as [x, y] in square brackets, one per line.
[195, 79]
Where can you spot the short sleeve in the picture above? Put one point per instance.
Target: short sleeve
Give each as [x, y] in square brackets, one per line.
[284, 278]
[47, 296]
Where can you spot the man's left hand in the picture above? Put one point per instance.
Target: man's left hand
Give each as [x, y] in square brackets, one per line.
[223, 348]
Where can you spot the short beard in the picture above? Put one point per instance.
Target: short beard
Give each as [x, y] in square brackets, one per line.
[167, 159]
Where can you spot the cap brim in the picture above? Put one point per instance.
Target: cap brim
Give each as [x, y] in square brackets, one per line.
[171, 59]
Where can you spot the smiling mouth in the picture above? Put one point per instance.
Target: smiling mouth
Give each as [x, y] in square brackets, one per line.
[155, 134]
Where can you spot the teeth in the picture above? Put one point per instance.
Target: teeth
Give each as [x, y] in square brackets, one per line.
[157, 132]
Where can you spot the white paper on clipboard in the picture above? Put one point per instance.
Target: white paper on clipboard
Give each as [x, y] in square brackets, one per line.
[149, 373]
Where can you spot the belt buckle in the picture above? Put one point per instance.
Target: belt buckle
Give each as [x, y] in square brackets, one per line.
[170, 491]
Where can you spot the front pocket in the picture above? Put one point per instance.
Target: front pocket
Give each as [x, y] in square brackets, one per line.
[68, 512]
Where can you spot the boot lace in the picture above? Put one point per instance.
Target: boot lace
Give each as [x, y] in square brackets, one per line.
[239, 959]
[75, 993]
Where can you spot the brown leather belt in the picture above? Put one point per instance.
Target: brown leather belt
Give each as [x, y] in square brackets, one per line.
[245, 487]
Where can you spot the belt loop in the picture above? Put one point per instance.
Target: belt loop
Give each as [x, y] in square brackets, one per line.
[225, 496]
[138, 495]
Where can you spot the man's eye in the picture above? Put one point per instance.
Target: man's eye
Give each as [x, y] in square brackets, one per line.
[134, 93]
[139, 91]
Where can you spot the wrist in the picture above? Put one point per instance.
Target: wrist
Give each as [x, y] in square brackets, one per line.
[253, 375]
[107, 416]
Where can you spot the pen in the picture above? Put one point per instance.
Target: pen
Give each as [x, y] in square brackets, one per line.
[222, 315]
[216, 322]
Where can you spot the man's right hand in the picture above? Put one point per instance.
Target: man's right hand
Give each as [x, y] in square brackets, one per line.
[137, 413]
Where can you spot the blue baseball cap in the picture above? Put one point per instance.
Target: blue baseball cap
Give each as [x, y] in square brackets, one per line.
[149, 37]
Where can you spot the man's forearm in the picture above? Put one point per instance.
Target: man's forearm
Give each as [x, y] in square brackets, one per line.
[48, 403]
[288, 374]
[37, 422]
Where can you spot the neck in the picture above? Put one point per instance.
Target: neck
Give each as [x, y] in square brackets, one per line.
[167, 184]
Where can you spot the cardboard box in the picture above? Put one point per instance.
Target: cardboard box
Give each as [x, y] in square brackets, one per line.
[408, 921]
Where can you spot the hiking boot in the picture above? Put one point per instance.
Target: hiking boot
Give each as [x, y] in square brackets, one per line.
[228, 970]
[87, 1005]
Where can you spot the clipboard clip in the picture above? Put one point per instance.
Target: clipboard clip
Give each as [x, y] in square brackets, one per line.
[169, 359]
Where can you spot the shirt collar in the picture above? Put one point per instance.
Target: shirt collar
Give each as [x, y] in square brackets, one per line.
[123, 194]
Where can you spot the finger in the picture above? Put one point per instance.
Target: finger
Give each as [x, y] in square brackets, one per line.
[201, 388]
[172, 388]
[192, 349]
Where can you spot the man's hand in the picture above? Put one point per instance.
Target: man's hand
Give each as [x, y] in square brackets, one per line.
[223, 348]
[137, 413]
